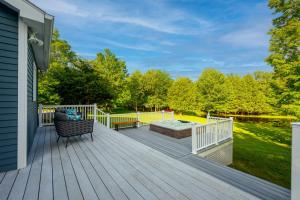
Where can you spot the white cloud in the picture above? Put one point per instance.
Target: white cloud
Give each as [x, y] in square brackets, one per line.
[62, 7]
[250, 38]
[251, 32]
[128, 46]
[157, 16]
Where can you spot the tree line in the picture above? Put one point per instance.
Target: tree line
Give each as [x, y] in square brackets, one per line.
[105, 80]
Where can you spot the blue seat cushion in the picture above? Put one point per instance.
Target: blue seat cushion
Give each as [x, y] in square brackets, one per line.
[72, 114]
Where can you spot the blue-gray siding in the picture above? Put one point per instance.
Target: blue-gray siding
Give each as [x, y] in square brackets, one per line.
[8, 88]
[31, 105]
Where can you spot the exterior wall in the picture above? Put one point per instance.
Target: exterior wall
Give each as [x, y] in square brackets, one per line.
[32, 113]
[8, 88]
[221, 153]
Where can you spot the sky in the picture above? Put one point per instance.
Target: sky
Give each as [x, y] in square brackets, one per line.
[182, 37]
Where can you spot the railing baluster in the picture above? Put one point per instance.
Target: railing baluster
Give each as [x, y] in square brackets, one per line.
[217, 130]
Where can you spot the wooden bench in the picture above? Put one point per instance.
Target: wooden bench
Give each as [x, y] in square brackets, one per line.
[133, 122]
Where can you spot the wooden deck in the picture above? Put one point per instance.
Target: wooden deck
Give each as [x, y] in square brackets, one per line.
[114, 166]
[180, 149]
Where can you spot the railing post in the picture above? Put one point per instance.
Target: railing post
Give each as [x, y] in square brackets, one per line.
[217, 132]
[95, 112]
[295, 192]
[173, 117]
[231, 127]
[108, 120]
[41, 115]
[207, 117]
[138, 119]
[163, 115]
[194, 139]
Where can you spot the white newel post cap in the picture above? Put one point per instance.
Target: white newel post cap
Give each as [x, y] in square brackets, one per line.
[295, 186]
[295, 124]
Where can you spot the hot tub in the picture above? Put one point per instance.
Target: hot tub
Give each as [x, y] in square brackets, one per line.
[173, 128]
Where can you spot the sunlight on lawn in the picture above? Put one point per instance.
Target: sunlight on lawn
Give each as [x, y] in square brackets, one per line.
[190, 118]
[263, 150]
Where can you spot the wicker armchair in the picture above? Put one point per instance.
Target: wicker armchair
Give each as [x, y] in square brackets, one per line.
[69, 128]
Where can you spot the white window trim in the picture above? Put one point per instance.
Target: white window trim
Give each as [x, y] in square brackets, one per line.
[22, 93]
[34, 82]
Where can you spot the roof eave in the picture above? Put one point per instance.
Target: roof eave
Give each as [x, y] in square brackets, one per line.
[41, 23]
[49, 23]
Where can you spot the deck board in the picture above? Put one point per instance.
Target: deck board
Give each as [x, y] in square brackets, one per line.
[129, 191]
[2, 174]
[155, 185]
[86, 186]
[7, 183]
[59, 184]
[158, 141]
[128, 173]
[20, 184]
[256, 186]
[142, 167]
[153, 168]
[147, 189]
[33, 184]
[113, 166]
[167, 167]
[99, 187]
[109, 182]
[73, 188]
[45, 191]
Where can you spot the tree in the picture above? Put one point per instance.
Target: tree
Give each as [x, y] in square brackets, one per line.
[61, 56]
[182, 95]
[233, 87]
[251, 97]
[73, 80]
[136, 90]
[212, 90]
[156, 84]
[265, 80]
[285, 53]
[113, 71]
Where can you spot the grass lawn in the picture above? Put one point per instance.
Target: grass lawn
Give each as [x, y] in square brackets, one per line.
[262, 149]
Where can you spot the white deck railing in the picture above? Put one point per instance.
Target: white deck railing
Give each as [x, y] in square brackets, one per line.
[46, 112]
[144, 118]
[46, 115]
[212, 133]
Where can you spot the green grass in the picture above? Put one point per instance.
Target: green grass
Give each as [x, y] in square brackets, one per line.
[190, 118]
[263, 150]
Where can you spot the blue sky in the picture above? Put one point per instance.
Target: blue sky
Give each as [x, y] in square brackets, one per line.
[181, 37]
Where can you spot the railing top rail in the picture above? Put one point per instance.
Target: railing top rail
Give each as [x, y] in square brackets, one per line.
[223, 121]
[218, 118]
[207, 124]
[101, 111]
[157, 112]
[117, 114]
[68, 106]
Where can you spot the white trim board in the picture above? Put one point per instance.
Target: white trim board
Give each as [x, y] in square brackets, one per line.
[22, 93]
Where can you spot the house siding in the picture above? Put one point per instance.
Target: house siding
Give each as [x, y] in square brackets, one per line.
[8, 88]
[32, 114]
